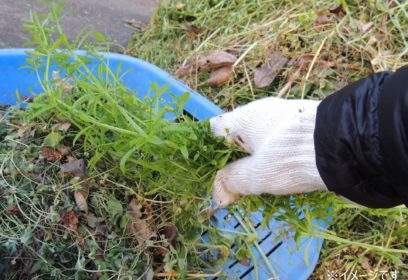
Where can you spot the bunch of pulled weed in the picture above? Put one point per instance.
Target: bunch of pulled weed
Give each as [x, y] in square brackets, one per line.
[97, 183]
[327, 45]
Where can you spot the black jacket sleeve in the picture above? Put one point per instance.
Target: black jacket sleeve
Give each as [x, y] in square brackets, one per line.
[361, 140]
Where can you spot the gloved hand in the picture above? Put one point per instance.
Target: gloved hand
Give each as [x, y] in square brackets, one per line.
[278, 135]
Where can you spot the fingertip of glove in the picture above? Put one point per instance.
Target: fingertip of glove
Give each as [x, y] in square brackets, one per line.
[221, 195]
[217, 126]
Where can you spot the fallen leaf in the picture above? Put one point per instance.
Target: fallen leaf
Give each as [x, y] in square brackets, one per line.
[81, 200]
[191, 28]
[53, 139]
[184, 70]
[338, 10]
[137, 226]
[321, 19]
[363, 27]
[215, 60]
[160, 251]
[101, 229]
[50, 154]
[212, 61]
[220, 77]
[170, 232]
[26, 130]
[265, 75]
[70, 220]
[12, 211]
[75, 167]
[61, 126]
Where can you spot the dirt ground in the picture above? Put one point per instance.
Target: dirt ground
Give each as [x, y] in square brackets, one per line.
[105, 16]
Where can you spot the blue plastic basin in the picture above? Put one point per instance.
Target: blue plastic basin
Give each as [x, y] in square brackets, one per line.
[280, 249]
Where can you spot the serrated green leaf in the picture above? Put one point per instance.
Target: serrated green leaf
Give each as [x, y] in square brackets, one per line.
[115, 207]
[26, 238]
[53, 139]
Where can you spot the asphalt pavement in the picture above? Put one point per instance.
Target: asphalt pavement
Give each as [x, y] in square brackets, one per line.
[106, 16]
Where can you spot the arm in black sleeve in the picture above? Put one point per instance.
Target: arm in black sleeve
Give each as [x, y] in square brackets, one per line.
[361, 140]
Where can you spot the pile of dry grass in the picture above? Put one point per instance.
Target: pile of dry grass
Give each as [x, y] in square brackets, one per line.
[328, 45]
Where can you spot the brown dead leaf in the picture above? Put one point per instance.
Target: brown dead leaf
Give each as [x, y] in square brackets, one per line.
[70, 220]
[170, 232]
[184, 70]
[12, 211]
[50, 154]
[191, 29]
[101, 229]
[363, 27]
[137, 226]
[338, 10]
[61, 126]
[75, 167]
[160, 251]
[26, 130]
[81, 200]
[265, 75]
[215, 60]
[321, 19]
[220, 77]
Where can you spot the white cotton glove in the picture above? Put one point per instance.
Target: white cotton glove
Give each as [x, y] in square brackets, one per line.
[278, 135]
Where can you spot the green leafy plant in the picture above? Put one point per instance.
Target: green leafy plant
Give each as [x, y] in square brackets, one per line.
[339, 42]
